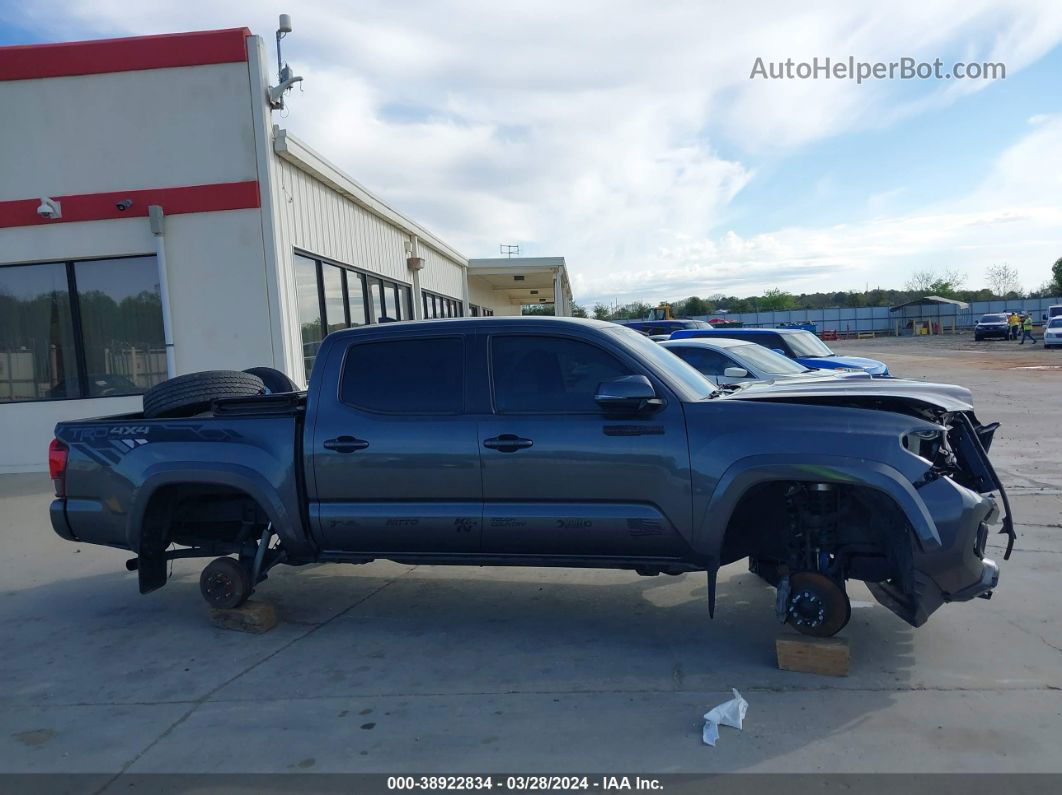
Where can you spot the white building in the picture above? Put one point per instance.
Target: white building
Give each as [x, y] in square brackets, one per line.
[257, 246]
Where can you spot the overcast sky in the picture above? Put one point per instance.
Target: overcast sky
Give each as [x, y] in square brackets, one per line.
[629, 137]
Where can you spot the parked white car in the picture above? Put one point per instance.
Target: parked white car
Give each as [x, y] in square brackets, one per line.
[736, 364]
[726, 361]
[1053, 332]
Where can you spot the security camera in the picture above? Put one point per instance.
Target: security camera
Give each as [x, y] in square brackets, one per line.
[123, 205]
[49, 208]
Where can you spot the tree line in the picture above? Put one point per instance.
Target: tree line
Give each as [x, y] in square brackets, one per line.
[1001, 280]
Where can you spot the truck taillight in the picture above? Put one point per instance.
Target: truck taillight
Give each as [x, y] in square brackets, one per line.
[57, 452]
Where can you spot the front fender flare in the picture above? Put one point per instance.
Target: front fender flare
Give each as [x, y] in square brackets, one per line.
[747, 472]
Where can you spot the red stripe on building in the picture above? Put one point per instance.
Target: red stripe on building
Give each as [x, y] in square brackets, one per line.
[104, 206]
[123, 55]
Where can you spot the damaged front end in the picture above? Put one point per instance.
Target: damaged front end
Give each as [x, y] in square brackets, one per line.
[964, 496]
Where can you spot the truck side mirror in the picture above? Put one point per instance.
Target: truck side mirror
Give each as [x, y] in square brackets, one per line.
[628, 393]
[736, 372]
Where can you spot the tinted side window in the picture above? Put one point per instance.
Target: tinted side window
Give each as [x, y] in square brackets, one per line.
[771, 341]
[703, 360]
[549, 374]
[413, 376]
[777, 341]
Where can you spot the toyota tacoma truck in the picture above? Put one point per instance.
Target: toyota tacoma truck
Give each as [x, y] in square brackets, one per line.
[541, 442]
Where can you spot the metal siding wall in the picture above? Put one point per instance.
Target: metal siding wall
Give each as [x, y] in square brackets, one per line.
[322, 222]
[313, 217]
[440, 274]
[878, 318]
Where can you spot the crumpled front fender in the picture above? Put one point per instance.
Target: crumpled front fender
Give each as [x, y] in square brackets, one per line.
[750, 471]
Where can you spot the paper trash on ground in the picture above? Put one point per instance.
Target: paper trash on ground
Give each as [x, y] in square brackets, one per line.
[729, 713]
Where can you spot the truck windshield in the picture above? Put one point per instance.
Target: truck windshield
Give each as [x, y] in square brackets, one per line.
[767, 361]
[804, 343]
[662, 359]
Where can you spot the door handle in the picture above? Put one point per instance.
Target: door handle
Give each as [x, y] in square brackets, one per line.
[345, 444]
[507, 443]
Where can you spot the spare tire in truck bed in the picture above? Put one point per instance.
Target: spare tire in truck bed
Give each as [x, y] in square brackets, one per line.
[275, 381]
[190, 394]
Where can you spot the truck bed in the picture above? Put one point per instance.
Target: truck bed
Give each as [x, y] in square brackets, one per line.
[248, 443]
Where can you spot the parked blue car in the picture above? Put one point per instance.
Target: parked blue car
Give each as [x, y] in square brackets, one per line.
[652, 327]
[802, 346]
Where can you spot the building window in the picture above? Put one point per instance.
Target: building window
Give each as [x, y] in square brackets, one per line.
[356, 299]
[389, 377]
[440, 306]
[91, 328]
[335, 303]
[332, 297]
[309, 301]
[407, 301]
[372, 290]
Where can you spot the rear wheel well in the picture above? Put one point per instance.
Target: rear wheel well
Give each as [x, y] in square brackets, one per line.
[842, 530]
[200, 514]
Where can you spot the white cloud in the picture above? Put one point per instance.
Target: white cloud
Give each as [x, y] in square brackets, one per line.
[1013, 216]
[586, 129]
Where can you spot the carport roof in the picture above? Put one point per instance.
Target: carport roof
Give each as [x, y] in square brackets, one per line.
[927, 300]
[524, 280]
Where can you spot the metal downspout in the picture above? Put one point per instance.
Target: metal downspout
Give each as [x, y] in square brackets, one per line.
[157, 219]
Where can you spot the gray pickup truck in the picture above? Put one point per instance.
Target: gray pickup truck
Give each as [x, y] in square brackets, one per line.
[541, 442]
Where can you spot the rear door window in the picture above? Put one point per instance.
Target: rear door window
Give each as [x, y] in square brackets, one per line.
[424, 375]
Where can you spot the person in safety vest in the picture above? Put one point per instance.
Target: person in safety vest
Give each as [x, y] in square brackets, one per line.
[1026, 330]
[1014, 324]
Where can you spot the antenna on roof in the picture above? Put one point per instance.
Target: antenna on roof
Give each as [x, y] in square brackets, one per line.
[284, 76]
[508, 249]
